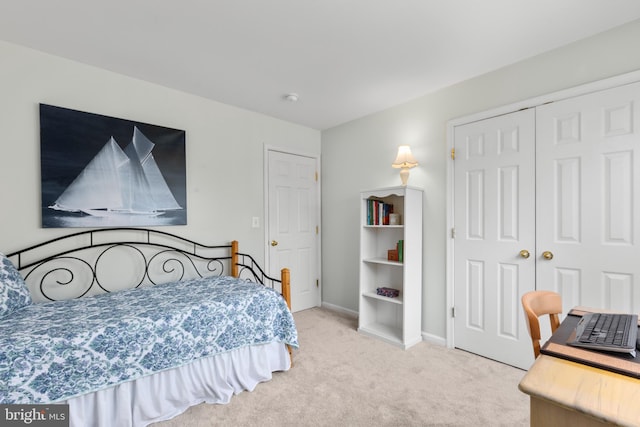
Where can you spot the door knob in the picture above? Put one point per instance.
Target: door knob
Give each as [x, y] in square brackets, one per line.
[274, 243]
[525, 254]
[547, 255]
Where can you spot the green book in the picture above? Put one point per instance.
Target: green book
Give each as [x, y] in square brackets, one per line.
[401, 250]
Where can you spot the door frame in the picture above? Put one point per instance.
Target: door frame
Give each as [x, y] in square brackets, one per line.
[583, 89]
[265, 215]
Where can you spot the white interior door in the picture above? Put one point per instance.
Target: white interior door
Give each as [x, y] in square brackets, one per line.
[494, 222]
[587, 199]
[293, 222]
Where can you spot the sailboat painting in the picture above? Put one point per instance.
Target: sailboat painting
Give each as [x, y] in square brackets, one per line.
[100, 171]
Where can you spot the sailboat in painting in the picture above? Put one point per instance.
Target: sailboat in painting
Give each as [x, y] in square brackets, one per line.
[120, 182]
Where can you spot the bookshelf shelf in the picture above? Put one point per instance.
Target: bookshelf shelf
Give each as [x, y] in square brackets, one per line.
[397, 300]
[394, 320]
[382, 261]
[383, 331]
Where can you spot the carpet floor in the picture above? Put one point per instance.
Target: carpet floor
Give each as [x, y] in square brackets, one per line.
[343, 378]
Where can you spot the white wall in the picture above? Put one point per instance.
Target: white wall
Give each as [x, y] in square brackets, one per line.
[357, 156]
[221, 197]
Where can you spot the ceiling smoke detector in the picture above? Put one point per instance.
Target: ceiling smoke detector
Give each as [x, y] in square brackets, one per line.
[291, 97]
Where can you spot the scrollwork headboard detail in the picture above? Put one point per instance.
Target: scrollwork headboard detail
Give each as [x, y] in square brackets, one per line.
[106, 260]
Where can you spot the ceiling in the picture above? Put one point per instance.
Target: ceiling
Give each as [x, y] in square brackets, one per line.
[345, 58]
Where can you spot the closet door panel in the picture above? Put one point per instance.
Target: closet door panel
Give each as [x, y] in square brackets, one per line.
[494, 217]
[587, 199]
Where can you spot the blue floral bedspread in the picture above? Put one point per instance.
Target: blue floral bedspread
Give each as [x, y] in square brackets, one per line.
[56, 350]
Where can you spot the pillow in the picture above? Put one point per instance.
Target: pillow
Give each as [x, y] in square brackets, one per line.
[14, 293]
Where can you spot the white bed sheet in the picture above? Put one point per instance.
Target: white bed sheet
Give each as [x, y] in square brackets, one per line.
[166, 394]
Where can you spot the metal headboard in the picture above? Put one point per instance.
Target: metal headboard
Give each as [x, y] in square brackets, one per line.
[77, 264]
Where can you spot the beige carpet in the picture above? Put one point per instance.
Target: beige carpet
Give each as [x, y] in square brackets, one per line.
[342, 378]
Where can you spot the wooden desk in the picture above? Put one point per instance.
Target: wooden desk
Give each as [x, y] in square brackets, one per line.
[565, 393]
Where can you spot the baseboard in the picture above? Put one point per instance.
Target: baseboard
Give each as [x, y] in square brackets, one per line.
[339, 309]
[434, 339]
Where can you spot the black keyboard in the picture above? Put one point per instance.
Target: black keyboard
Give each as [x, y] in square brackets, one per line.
[607, 331]
[604, 328]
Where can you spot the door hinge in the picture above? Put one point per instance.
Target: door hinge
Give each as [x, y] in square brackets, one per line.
[317, 229]
[317, 283]
[453, 154]
[453, 233]
[316, 176]
[453, 312]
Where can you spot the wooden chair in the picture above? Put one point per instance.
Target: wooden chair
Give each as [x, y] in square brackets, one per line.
[536, 304]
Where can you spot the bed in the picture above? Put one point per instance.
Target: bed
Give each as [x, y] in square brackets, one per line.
[132, 326]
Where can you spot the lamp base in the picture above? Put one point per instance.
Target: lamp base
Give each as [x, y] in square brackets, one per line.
[404, 175]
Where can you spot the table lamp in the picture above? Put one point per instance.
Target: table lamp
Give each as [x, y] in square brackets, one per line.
[404, 161]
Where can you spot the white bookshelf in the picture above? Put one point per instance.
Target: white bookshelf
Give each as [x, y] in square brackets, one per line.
[395, 320]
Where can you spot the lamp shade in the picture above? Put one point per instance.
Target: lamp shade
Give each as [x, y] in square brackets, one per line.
[404, 159]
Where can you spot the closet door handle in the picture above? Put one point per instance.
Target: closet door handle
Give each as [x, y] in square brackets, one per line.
[547, 255]
[274, 243]
[525, 254]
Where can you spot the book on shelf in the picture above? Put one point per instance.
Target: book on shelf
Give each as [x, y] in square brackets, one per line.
[378, 212]
[396, 254]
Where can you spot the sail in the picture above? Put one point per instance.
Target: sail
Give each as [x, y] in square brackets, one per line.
[162, 196]
[98, 185]
[136, 192]
[120, 181]
[149, 190]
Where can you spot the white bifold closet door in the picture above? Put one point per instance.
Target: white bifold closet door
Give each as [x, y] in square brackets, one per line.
[569, 197]
[494, 221]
